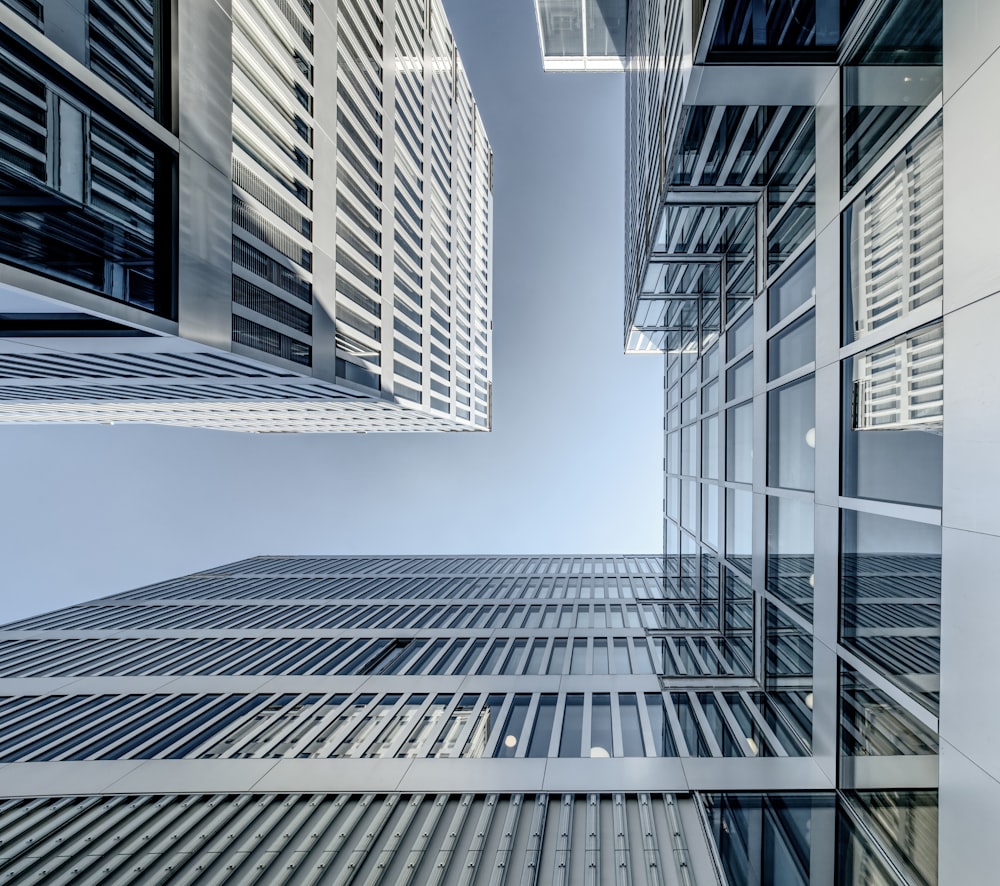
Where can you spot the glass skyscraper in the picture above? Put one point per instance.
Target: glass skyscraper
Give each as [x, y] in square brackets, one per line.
[273, 216]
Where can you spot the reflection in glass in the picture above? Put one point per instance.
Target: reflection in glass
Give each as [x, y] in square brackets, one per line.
[541, 732]
[600, 726]
[905, 825]
[893, 421]
[894, 239]
[794, 288]
[788, 670]
[710, 498]
[873, 725]
[889, 81]
[710, 448]
[740, 335]
[791, 435]
[739, 379]
[765, 838]
[739, 528]
[891, 599]
[571, 738]
[790, 552]
[792, 348]
[511, 732]
[739, 443]
[446, 744]
[663, 742]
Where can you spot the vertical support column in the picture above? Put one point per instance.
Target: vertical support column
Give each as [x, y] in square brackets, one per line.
[826, 582]
[205, 189]
[324, 234]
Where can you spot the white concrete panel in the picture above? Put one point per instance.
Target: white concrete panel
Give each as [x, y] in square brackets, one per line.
[967, 822]
[970, 612]
[971, 35]
[972, 419]
[971, 188]
[53, 778]
[180, 776]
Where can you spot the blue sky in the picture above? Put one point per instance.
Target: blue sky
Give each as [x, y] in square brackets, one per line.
[573, 464]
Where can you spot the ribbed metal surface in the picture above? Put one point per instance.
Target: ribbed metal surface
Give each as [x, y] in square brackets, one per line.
[469, 839]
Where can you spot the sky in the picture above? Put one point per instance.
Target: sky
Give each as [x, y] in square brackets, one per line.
[574, 461]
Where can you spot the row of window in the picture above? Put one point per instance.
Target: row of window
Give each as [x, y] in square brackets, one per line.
[340, 725]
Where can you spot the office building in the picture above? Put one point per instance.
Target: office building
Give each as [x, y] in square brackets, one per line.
[270, 215]
[464, 719]
[808, 197]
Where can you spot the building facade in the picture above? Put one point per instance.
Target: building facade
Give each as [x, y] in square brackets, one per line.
[257, 215]
[463, 719]
[805, 246]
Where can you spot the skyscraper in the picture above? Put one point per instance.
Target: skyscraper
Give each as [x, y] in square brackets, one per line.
[469, 719]
[334, 719]
[804, 243]
[269, 216]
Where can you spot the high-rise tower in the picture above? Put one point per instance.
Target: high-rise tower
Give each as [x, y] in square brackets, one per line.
[260, 215]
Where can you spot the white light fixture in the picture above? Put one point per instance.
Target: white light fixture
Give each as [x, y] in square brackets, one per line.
[510, 741]
[809, 700]
[599, 752]
[753, 746]
[812, 579]
[811, 438]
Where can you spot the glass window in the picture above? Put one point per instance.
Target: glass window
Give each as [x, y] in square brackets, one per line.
[663, 741]
[739, 380]
[601, 664]
[710, 495]
[889, 81]
[622, 664]
[513, 727]
[689, 450]
[600, 726]
[710, 396]
[558, 658]
[793, 288]
[893, 420]
[579, 663]
[792, 348]
[710, 448]
[873, 725]
[740, 335]
[541, 732]
[890, 574]
[739, 443]
[632, 744]
[790, 552]
[571, 739]
[739, 528]
[536, 657]
[642, 661]
[893, 236]
[689, 505]
[791, 431]
[788, 671]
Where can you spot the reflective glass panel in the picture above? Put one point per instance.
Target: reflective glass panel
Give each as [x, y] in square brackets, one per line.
[791, 431]
[792, 348]
[893, 420]
[790, 552]
[793, 288]
[739, 443]
[890, 574]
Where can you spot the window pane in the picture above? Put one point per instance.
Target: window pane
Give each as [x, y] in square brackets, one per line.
[791, 431]
[739, 380]
[894, 239]
[794, 288]
[739, 443]
[790, 552]
[628, 707]
[792, 348]
[600, 726]
[739, 527]
[891, 598]
[511, 732]
[740, 335]
[663, 742]
[893, 420]
[541, 733]
[572, 732]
